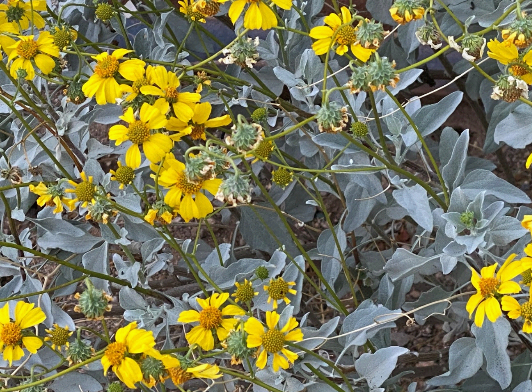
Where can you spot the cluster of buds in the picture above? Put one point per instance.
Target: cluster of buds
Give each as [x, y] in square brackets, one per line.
[374, 75]
[428, 34]
[234, 189]
[472, 47]
[519, 32]
[370, 34]
[405, 11]
[332, 118]
[243, 52]
[93, 303]
[245, 136]
[509, 88]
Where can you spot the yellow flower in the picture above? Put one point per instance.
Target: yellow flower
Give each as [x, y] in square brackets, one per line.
[84, 191]
[272, 340]
[22, 52]
[201, 79]
[160, 211]
[184, 194]
[509, 54]
[18, 13]
[13, 338]
[516, 310]
[406, 14]
[124, 175]
[341, 32]
[58, 336]
[188, 9]
[489, 287]
[211, 319]
[103, 84]
[138, 79]
[167, 87]
[52, 196]
[527, 222]
[128, 340]
[528, 161]
[179, 374]
[198, 123]
[139, 132]
[278, 290]
[244, 292]
[258, 15]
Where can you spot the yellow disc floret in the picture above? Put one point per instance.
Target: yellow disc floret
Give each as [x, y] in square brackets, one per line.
[137, 84]
[187, 186]
[198, 131]
[171, 94]
[489, 286]
[116, 353]
[27, 49]
[107, 67]
[273, 341]
[210, 318]
[138, 132]
[346, 35]
[85, 191]
[11, 334]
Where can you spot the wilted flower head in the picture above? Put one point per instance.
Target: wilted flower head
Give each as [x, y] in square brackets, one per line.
[101, 210]
[381, 74]
[245, 136]
[243, 52]
[405, 11]
[93, 302]
[236, 346]
[332, 118]
[509, 88]
[199, 167]
[370, 33]
[428, 34]
[74, 92]
[472, 46]
[519, 32]
[234, 189]
[78, 351]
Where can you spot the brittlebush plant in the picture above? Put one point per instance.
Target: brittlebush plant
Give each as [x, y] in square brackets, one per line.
[240, 194]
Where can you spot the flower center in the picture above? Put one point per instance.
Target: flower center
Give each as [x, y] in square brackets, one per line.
[210, 317]
[245, 292]
[171, 94]
[346, 35]
[116, 353]
[263, 150]
[198, 130]
[137, 84]
[59, 336]
[27, 49]
[107, 67]
[138, 132]
[273, 341]
[527, 276]
[179, 376]
[124, 174]
[85, 191]
[186, 186]
[518, 70]
[278, 289]
[526, 311]
[11, 334]
[210, 8]
[488, 286]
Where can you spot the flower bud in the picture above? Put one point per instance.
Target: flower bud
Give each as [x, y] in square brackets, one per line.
[78, 351]
[381, 74]
[282, 177]
[332, 118]
[262, 273]
[237, 346]
[104, 12]
[101, 210]
[75, 93]
[509, 88]
[260, 115]
[467, 219]
[152, 369]
[115, 387]
[359, 129]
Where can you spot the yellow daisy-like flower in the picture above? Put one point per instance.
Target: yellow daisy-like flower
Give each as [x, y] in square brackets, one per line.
[179, 375]
[406, 14]
[270, 339]
[278, 290]
[52, 196]
[129, 341]
[200, 121]
[516, 310]
[509, 54]
[58, 336]
[211, 320]
[259, 15]
[17, 13]
[139, 132]
[13, 337]
[84, 191]
[26, 51]
[161, 212]
[188, 9]
[200, 80]
[489, 288]
[103, 84]
[341, 33]
[244, 291]
[185, 195]
[167, 85]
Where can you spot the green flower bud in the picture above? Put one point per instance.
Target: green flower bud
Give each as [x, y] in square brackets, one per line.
[381, 74]
[282, 177]
[237, 346]
[262, 273]
[468, 218]
[75, 93]
[359, 129]
[115, 387]
[104, 12]
[93, 303]
[259, 115]
[78, 351]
